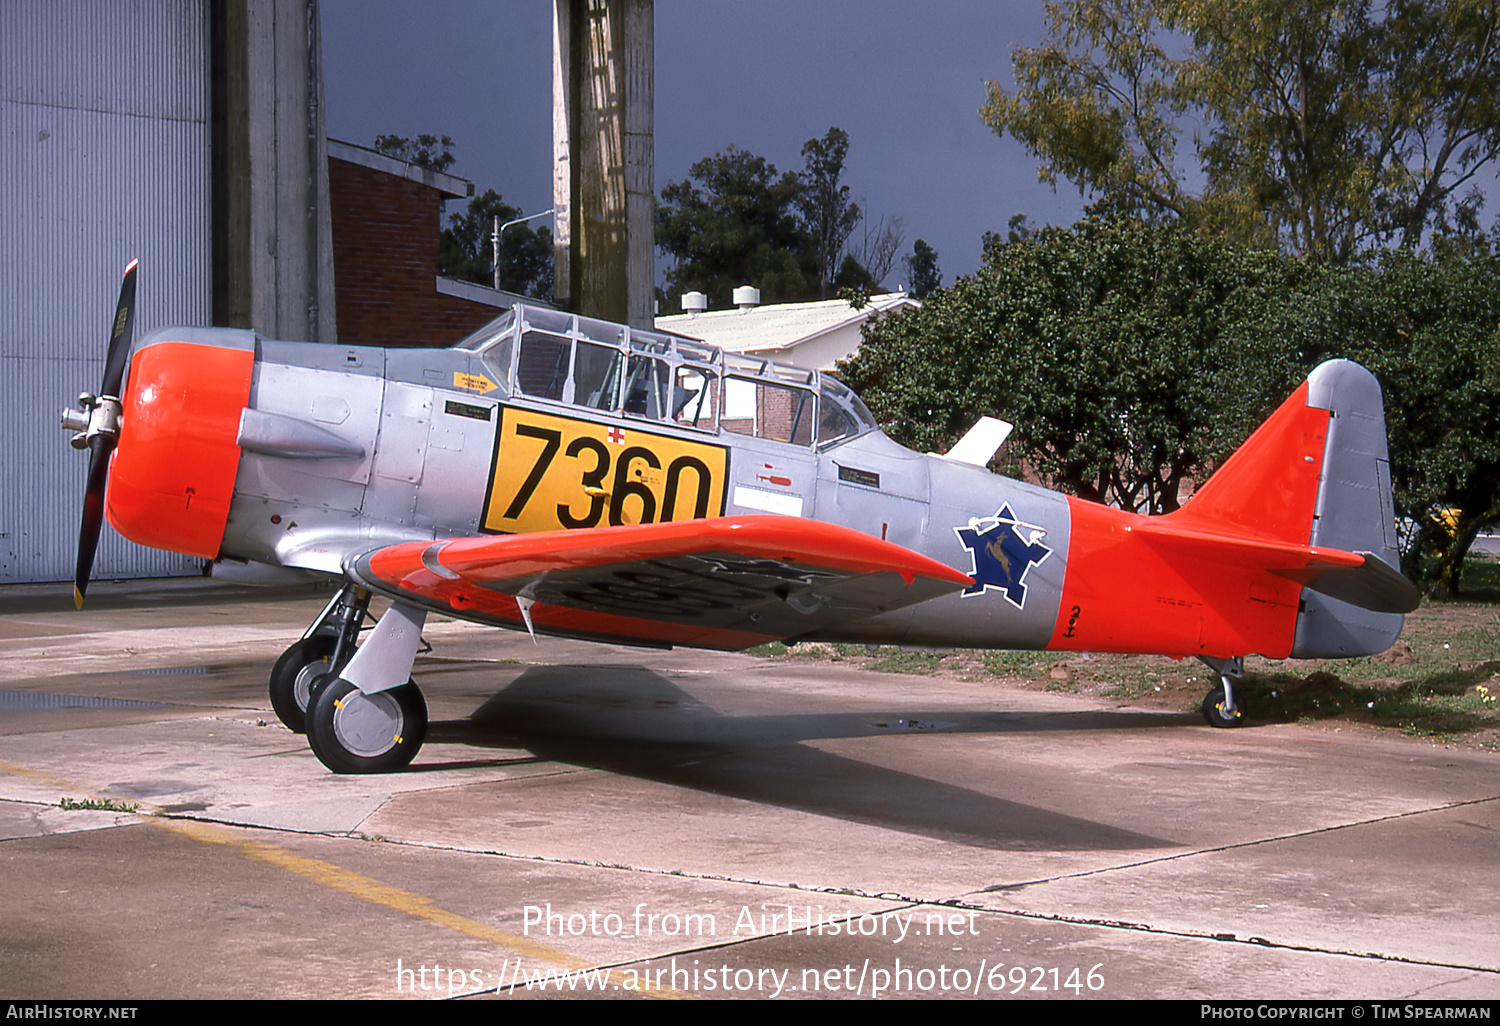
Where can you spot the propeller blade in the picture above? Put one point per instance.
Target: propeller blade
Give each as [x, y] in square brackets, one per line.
[100, 448]
[120, 334]
[101, 445]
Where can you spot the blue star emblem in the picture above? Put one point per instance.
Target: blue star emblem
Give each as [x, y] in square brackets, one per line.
[1004, 550]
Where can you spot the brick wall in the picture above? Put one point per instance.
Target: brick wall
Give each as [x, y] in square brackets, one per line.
[385, 262]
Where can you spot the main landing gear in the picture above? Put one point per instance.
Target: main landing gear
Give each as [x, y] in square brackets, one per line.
[1224, 706]
[351, 732]
[359, 707]
[325, 647]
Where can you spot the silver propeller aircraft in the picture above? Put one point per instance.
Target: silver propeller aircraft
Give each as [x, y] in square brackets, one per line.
[568, 476]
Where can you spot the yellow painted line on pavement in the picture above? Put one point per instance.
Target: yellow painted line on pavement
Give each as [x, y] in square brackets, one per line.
[39, 776]
[365, 888]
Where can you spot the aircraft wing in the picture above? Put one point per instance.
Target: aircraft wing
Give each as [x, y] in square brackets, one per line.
[726, 583]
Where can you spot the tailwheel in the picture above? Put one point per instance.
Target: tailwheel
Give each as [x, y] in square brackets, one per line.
[1224, 706]
[351, 732]
[292, 677]
[1224, 710]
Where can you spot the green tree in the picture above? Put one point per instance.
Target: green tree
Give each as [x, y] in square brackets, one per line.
[828, 213]
[853, 275]
[1323, 126]
[1445, 424]
[1081, 339]
[737, 221]
[467, 249]
[1427, 328]
[1134, 356]
[433, 152]
[733, 222]
[922, 268]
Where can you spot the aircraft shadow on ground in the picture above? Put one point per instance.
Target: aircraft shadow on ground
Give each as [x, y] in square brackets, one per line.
[633, 721]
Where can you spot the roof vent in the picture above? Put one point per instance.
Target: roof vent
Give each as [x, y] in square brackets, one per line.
[746, 297]
[694, 302]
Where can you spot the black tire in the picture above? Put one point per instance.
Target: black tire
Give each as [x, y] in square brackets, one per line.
[292, 677]
[1215, 713]
[351, 732]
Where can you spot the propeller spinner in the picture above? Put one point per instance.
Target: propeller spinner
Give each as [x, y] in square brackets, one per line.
[97, 427]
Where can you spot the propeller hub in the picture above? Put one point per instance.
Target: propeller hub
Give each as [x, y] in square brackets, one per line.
[104, 419]
[75, 420]
[98, 418]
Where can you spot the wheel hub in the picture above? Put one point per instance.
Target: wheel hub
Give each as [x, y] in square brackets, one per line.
[368, 725]
[302, 686]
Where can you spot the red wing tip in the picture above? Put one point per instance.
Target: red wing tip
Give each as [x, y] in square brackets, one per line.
[131, 266]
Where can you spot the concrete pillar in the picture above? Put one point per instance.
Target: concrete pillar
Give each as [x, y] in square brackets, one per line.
[604, 158]
[273, 248]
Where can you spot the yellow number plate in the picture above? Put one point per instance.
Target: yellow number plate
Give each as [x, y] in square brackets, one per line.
[556, 472]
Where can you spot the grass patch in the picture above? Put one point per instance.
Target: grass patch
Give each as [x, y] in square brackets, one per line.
[811, 650]
[894, 660]
[101, 804]
[1440, 680]
[1019, 664]
[1445, 704]
[1480, 577]
[1133, 677]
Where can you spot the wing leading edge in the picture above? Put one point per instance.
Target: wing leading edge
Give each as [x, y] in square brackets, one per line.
[726, 583]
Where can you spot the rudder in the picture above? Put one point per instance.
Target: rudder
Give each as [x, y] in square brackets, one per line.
[1354, 512]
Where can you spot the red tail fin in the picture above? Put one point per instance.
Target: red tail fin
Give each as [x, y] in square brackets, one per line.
[1287, 550]
[1269, 487]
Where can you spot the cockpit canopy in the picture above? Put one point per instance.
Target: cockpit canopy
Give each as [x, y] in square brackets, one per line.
[611, 368]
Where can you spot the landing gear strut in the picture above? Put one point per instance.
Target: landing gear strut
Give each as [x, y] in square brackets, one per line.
[1223, 706]
[325, 647]
[369, 716]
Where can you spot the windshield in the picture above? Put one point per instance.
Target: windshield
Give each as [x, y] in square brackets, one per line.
[489, 334]
[842, 415]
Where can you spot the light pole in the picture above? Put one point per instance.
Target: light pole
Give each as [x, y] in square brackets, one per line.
[495, 237]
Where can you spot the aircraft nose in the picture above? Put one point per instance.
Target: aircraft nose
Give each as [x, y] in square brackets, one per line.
[178, 454]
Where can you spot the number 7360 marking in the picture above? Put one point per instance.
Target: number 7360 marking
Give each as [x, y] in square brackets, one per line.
[555, 472]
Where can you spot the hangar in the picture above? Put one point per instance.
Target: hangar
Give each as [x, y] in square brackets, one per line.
[187, 133]
[190, 134]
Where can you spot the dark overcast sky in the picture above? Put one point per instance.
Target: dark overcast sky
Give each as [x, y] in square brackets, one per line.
[905, 81]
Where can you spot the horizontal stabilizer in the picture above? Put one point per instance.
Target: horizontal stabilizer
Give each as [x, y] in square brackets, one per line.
[1359, 578]
[1372, 585]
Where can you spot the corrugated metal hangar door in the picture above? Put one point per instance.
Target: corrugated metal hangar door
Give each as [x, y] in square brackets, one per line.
[104, 124]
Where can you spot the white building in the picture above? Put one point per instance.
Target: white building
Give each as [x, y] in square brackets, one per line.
[814, 336]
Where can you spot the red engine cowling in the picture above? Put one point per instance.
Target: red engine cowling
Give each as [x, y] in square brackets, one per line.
[172, 477]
